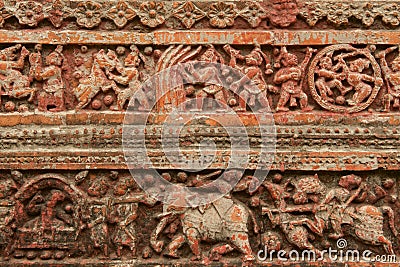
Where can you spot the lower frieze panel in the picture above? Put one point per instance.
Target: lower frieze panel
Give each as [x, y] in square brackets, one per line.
[103, 217]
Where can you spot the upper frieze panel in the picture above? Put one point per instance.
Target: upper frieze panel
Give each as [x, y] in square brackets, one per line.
[182, 15]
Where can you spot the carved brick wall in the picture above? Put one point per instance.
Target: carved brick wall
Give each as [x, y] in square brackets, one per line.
[327, 81]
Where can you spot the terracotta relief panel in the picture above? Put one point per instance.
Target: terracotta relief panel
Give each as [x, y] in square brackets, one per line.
[96, 215]
[197, 133]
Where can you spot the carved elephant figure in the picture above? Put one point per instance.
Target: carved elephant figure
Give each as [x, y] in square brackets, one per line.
[224, 220]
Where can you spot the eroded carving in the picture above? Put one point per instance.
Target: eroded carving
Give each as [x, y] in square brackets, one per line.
[341, 78]
[97, 80]
[152, 14]
[51, 216]
[340, 13]
[331, 210]
[391, 77]
[14, 83]
[290, 77]
[351, 89]
[252, 71]
[51, 97]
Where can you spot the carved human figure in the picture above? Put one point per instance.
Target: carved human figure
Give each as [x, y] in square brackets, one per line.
[290, 78]
[51, 97]
[14, 83]
[258, 88]
[281, 216]
[392, 76]
[52, 217]
[367, 221]
[124, 211]
[98, 228]
[337, 201]
[49, 217]
[357, 79]
[333, 208]
[130, 75]
[210, 78]
[97, 79]
[328, 78]
[97, 216]
[124, 215]
[35, 60]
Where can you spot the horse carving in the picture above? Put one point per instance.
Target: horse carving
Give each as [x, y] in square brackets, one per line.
[97, 80]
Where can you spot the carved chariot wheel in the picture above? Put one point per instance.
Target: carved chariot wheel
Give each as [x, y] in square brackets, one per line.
[339, 101]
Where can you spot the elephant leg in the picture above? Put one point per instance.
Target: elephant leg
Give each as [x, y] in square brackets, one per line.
[217, 251]
[121, 99]
[241, 241]
[83, 99]
[390, 213]
[387, 245]
[193, 239]
[82, 104]
[156, 244]
[174, 245]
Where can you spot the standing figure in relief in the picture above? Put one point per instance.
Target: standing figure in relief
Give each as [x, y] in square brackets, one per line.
[51, 97]
[209, 76]
[125, 214]
[392, 76]
[97, 216]
[290, 77]
[258, 88]
[130, 75]
[98, 228]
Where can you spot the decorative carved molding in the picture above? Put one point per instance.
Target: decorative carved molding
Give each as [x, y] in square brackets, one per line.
[326, 78]
[305, 147]
[148, 14]
[112, 15]
[339, 14]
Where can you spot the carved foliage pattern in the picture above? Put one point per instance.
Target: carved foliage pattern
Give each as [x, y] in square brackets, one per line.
[89, 14]
[280, 13]
[367, 12]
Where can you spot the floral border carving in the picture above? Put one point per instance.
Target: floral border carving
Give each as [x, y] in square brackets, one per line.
[367, 12]
[186, 14]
